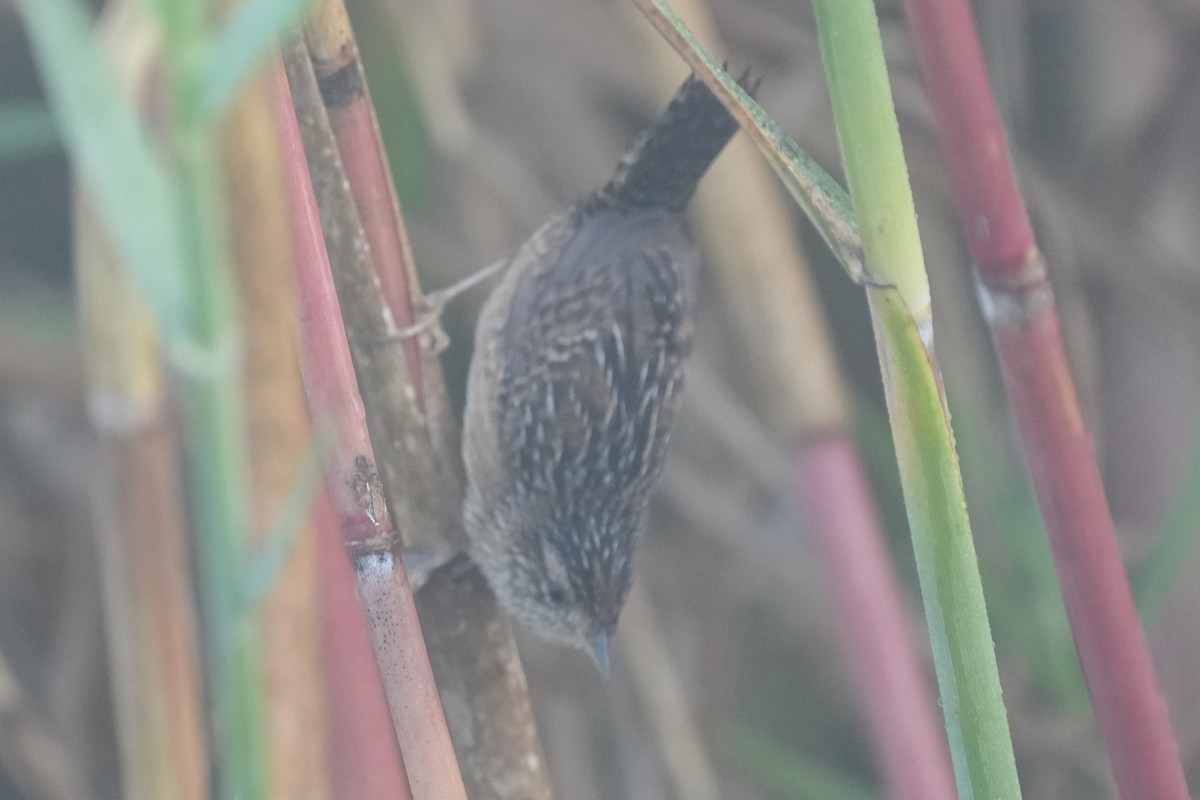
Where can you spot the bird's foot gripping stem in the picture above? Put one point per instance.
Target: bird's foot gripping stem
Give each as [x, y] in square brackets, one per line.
[435, 305]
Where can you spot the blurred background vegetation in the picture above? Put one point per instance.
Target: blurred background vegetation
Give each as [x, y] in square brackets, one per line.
[495, 114]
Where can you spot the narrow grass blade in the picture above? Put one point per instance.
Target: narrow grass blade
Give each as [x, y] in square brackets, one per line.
[136, 196]
[823, 200]
[251, 33]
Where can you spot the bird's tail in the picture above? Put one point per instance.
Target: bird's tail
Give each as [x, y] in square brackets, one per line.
[663, 168]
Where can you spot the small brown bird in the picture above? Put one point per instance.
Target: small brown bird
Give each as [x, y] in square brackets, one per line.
[576, 380]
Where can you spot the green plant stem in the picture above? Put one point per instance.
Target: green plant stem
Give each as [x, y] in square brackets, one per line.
[964, 655]
[870, 136]
[951, 589]
[214, 418]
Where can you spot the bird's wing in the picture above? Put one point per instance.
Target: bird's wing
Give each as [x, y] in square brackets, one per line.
[595, 344]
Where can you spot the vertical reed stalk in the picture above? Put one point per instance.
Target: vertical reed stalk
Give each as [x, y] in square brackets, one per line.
[278, 434]
[963, 652]
[214, 421]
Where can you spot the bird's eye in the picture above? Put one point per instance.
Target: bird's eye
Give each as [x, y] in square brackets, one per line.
[556, 594]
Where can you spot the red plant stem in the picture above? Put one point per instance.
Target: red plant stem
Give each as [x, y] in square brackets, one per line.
[968, 124]
[357, 134]
[1019, 305]
[1112, 648]
[911, 747]
[364, 757]
[417, 716]
[329, 380]
[356, 130]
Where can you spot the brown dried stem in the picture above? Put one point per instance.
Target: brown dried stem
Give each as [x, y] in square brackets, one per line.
[141, 523]
[141, 530]
[279, 434]
[355, 130]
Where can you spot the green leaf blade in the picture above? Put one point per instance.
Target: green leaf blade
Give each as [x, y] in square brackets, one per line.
[251, 33]
[136, 196]
[824, 201]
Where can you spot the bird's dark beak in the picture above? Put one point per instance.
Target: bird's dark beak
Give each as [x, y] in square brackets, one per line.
[600, 651]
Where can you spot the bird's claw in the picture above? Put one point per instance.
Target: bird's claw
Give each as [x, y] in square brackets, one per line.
[430, 323]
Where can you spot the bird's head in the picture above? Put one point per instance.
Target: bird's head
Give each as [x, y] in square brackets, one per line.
[567, 580]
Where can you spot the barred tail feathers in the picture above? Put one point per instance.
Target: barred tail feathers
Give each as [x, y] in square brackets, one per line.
[663, 168]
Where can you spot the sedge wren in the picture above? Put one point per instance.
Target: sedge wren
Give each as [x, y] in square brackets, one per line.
[576, 380]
